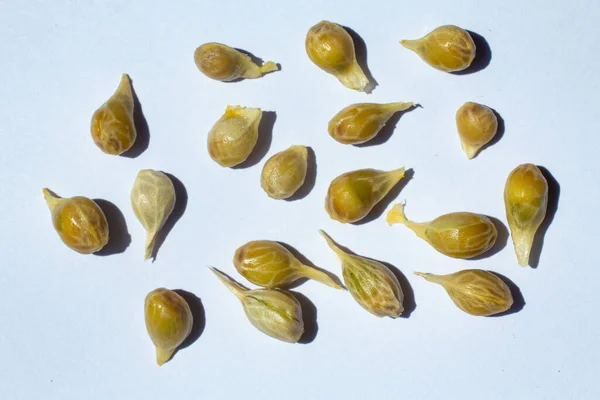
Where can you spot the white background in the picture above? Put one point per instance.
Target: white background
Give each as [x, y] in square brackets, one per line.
[72, 326]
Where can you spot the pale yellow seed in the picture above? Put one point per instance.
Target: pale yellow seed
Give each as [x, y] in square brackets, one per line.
[224, 63]
[112, 126]
[526, 201]
[475, 291]
[284, 173]
[359, 123]
[351, 196]
[476, 125]
[331, 48]
[274, 312]
[169, 322]
[458, 235]
[79, 222]
[447, 48]
[270, 264]
[233, 137]
[370, 283]
[153, 199]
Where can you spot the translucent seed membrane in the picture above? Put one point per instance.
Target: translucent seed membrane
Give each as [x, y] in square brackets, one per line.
[359, 123]
[351, 196]
[371, 283]
[526, 201]
[113, 129]
[169, 322]
[458, 235]
[285, 172]
[447, 48]
[233, 137]
[331, 48]
[274, 312]
[79, 222]
[475, 291]
[476, 125]
[269, 264]
[224, 63]
[153, 200]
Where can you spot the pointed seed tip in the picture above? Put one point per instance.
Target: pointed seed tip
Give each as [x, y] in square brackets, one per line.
[125, 82]
[327, 238]
[51, 198]
[400, 106]
[523, 263]
[160, 363]
[400, 171]
[470, 151]
[396, 214]
[163, 355]
[269, 66]
[410, 44]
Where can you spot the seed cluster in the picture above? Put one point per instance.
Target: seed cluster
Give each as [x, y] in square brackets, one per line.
[82, 225]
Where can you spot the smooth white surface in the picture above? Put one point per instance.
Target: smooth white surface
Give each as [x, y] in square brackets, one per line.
[72, 326]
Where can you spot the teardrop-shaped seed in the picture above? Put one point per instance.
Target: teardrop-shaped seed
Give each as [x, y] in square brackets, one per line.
[274, 312]
[226, 64]
[169, 321]
[284, 173]
[351, 196]
[331, 48]
[475, 291]
[233, 137]
[458, 234]
[153, 200]
[79, 222]
[526, 201]
[476, 125]
[447, 48]
[371, 283]
[269, 264]
[113, 129]
[359, 123]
